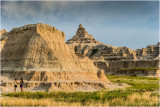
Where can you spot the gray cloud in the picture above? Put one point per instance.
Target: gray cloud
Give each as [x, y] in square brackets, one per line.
[110, 22]
[32, 9]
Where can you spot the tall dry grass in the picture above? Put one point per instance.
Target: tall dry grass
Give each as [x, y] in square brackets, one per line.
[136, 99]
[145, 99]
[12, 101]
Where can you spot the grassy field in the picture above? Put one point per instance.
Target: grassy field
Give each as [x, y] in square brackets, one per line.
[139, 84]
[143, 92]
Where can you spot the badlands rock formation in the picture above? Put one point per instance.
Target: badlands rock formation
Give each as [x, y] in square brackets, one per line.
[86, 45]
[104, 56]
[82, 36]
[151, 52]
[38, 54]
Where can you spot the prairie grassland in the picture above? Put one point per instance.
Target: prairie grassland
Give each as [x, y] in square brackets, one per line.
[143, 92]
[10, 101]
[145, 99]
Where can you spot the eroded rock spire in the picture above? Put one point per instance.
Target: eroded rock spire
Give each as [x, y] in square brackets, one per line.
[82, 36]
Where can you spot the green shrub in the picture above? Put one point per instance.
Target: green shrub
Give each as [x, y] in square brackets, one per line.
[94, 51]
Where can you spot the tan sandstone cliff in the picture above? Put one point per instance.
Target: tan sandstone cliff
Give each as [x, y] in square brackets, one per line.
[38, 54]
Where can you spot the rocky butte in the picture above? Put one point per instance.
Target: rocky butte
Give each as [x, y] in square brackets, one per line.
[82, 36]
[116, 60]
[38, 54]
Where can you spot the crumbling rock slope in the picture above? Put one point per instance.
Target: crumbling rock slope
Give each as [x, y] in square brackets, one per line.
[38, 54]
[3, 38]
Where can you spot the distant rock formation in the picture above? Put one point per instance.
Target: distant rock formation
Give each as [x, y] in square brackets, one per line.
[84, 44]
[135, 68]
[82, 36]
[38, 54]
[103, 55]
[151, 52]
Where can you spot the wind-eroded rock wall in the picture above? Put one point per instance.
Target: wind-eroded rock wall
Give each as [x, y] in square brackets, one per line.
[38, 53]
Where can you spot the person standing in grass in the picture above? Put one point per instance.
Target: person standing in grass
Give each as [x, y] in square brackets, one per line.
[15, 85]
[21, 84]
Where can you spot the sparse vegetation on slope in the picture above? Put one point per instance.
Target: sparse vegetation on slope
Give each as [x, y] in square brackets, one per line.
[143, 92]
[133, 69]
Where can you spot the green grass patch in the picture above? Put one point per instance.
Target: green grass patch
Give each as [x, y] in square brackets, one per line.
[83, 97]
[133, 69]
[139, 85]
[94, 51]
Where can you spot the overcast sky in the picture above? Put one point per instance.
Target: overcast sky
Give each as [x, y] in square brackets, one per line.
[133, 24]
